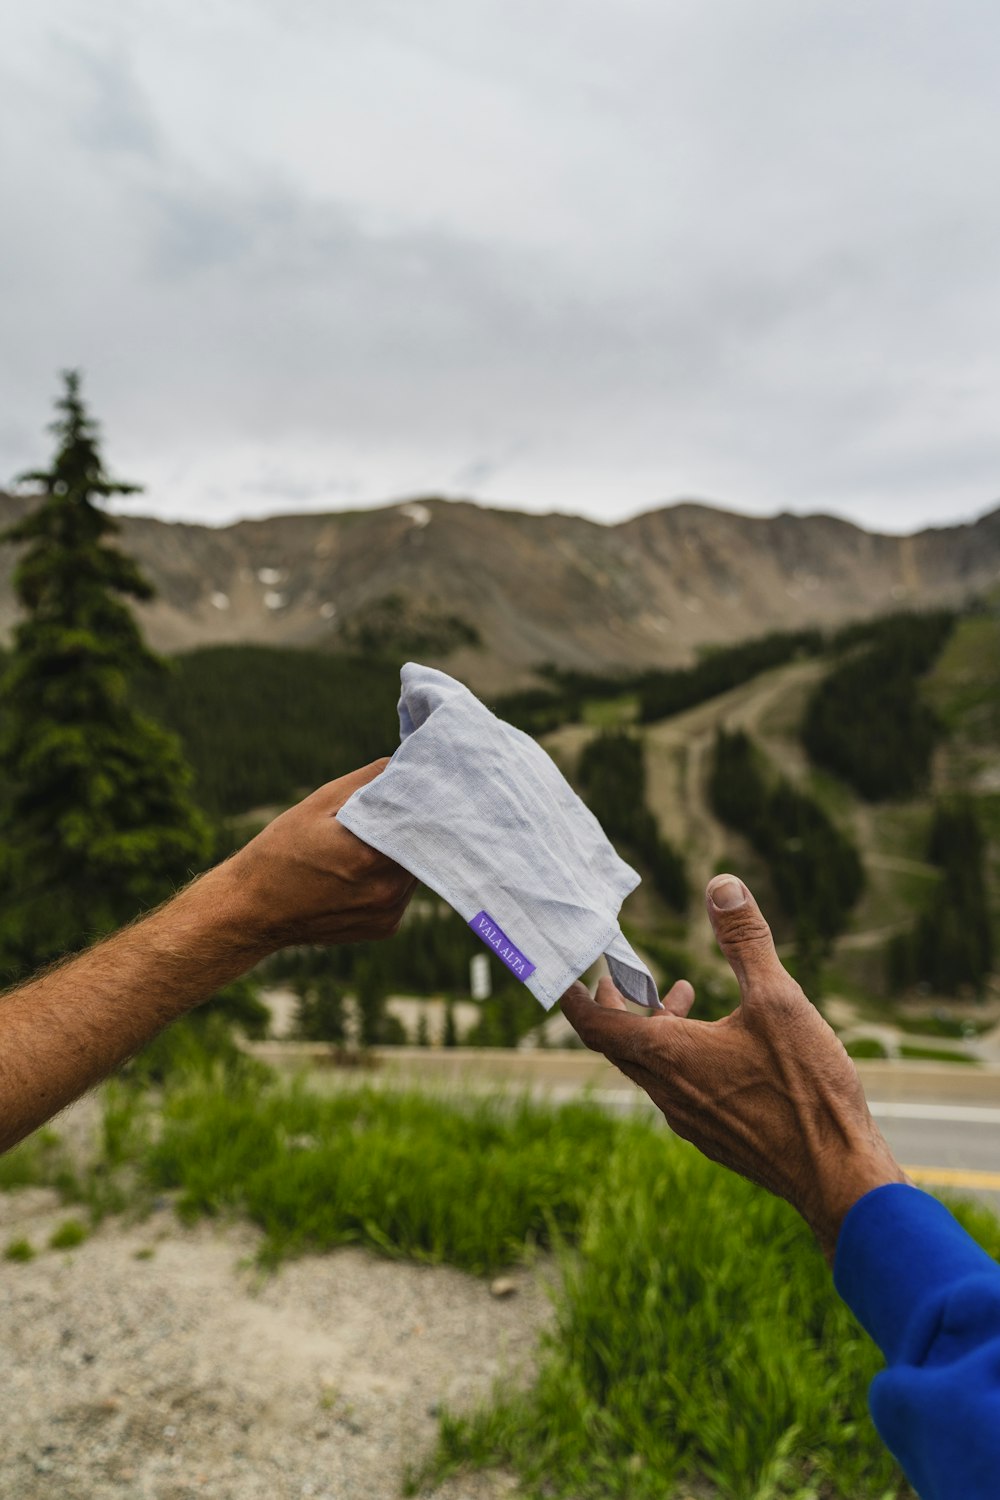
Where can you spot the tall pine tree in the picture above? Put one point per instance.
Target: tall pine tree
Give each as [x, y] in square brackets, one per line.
[96, 822]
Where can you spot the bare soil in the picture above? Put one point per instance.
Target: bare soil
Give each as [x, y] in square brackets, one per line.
[157, 1361]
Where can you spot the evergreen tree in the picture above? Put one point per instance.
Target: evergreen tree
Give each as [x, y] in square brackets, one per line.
[370, 998]
[816, 870]
[319, 1010]
[866, 720]
[96, 822]
[612, 775]
[951, 945]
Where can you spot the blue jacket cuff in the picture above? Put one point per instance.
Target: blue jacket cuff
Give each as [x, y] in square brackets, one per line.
[897, 1248]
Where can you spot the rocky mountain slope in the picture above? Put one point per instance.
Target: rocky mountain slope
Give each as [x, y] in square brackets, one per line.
[493, 593]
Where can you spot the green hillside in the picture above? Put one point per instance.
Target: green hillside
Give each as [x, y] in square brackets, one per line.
[943, 676]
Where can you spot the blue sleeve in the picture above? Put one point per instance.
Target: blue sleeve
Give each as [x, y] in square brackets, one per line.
[930, 1298]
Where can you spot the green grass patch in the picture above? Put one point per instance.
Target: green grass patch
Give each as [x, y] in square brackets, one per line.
[610, 713]
[39, 1161]
[68, 1236]
[964, 686]
[866, 1047]
[479, 1184]
[936, 1054]
[939, 1025]
[901, 829]
[833, 795]
[698, 1348]
[19, 1250]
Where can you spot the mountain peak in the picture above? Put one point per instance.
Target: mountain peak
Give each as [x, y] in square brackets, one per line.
[494, 593]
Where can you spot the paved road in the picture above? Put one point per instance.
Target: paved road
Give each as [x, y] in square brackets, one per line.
[960, 1144]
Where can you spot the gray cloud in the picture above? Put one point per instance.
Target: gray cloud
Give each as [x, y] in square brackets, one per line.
[587, 258]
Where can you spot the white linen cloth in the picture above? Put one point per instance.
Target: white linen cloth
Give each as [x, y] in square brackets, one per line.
[483, 816]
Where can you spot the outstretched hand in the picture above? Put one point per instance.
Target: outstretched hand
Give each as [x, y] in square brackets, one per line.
[307, 879]
[768, 1091]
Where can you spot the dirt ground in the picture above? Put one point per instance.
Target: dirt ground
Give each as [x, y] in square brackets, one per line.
[156, 1362]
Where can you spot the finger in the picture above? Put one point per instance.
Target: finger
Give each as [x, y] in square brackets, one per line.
[742, 933]
[679, 998]
[614, 1032]
[608, 996]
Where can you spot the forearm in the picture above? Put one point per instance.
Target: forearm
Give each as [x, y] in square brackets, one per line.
[303, 879]
[66, 1030]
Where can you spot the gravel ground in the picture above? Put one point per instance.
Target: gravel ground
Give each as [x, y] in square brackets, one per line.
[155, 1362]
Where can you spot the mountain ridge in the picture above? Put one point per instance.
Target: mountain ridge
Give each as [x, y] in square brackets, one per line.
[491, 594]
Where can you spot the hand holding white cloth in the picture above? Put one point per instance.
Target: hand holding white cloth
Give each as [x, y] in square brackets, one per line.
[483, 816]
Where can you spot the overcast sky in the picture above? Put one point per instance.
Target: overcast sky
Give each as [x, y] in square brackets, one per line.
[585, 255]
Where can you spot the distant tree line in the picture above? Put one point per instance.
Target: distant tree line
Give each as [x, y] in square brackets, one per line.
[428, 956]
[720, 669]
[539, 710]
[815, 868]
[902, 637]
[260, 724]
[612, 776]
[951, 945]
[866, 721]
[659, 693]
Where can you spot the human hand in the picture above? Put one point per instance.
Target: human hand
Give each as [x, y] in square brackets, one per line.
[767, 1091]
[307, 879]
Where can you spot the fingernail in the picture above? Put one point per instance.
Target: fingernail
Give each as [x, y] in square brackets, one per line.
[726, 893]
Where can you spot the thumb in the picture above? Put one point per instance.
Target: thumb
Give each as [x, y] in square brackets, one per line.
[742, 933]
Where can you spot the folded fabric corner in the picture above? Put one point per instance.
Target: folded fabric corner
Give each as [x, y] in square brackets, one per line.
[630, 974]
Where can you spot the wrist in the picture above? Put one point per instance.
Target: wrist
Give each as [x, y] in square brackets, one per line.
[219, 920]
[848, 1180]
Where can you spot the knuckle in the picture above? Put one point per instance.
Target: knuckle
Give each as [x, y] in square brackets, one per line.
[368, 860]
[748, 930]
[775, 994]
[388, 889]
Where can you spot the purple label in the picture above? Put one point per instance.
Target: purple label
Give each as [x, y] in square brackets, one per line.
[494, 937]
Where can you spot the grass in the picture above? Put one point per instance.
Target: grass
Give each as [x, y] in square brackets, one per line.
[867, 1047]
[19, 1250]
[698, 1347]
[697, 1342]
[964, 685]
[610, 713]
[478, 1184]
[38, 1161]
[936, 1054]
[68, 1235]
[939, 1024]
